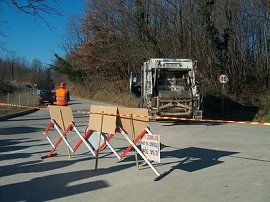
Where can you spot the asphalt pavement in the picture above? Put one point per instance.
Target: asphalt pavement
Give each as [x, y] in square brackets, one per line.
[200, 162]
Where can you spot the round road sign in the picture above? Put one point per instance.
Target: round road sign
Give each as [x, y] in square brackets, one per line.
[223, 78]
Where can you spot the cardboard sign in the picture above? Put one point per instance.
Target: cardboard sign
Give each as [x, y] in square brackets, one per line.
[109, 122]
[150, 145]
[62, 115]
[127, 124]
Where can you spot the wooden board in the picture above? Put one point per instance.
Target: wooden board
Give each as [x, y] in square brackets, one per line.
[62, 115]
[109, 122]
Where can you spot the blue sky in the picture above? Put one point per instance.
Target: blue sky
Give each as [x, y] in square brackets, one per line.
[31, 38]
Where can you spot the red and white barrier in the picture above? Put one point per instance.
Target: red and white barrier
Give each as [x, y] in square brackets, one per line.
[133, 144]
[51, 125]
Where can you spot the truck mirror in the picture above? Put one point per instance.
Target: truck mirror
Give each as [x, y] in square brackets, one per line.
[134, 77]
[134, 84]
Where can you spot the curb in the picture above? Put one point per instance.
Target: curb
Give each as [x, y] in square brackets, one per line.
[9, 116]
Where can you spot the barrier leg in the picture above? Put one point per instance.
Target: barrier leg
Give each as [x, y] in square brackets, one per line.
[106, 142]
[135, 142]
[50, 141]
[141, 154]
[50, 125]
[86, 135]
[64, 135]
[51, 154]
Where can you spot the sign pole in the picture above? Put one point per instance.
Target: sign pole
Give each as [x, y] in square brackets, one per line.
[222, 97]
[133, 136]
[99, 140]
[223, 79]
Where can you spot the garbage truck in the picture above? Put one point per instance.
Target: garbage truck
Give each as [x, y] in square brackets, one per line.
[168, 87]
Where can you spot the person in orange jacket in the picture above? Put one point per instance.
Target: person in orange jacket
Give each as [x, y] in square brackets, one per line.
[62, 95]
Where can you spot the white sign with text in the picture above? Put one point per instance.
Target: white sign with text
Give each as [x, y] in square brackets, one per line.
[150, 145]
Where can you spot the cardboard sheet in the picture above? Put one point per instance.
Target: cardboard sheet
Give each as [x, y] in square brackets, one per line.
[139, 123]
[62, 115]
[109, 122]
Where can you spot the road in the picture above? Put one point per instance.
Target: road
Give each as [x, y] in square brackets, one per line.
[200, 162]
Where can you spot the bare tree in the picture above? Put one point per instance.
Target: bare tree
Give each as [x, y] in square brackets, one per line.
[37, 8]
[34, 7]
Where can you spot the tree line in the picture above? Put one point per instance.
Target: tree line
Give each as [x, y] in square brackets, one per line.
[113, 38]
[16, 71]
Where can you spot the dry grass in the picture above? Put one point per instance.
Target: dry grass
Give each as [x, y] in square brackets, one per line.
[124, 99]
[115, 93]
[6, 111]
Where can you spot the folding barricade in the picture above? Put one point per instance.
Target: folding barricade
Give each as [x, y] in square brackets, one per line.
[62, 120]
[113, 120]
[100, 116]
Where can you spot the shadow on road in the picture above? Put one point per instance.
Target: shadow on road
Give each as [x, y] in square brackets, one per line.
[54, 186]
[193, 159]
[19, 130]
[50, 187]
